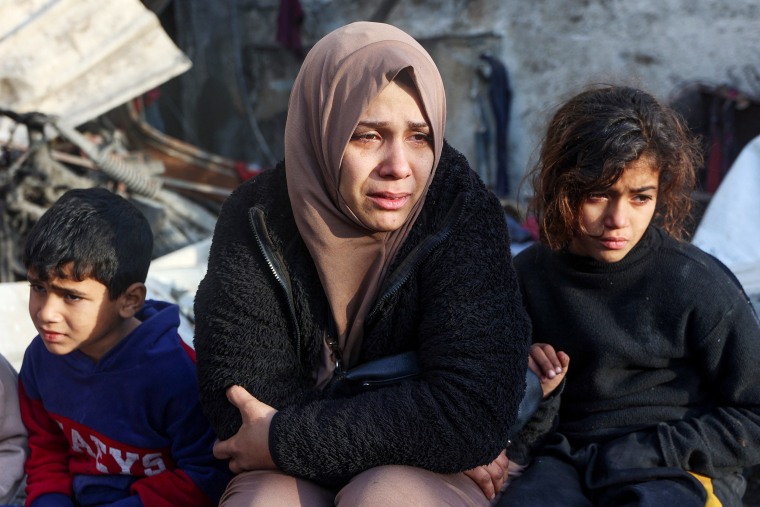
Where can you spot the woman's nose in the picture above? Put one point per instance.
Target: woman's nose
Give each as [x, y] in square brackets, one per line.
[396, 161]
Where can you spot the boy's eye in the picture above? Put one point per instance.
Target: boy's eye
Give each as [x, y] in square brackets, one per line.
[72, 297]
[37, 287]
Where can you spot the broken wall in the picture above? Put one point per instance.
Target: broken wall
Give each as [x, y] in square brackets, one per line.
[234, 99]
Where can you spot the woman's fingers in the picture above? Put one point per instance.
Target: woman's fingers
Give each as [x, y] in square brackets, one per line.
[491, 477]
[248, 449]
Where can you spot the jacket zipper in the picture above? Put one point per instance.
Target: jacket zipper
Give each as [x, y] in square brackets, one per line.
[256, 217]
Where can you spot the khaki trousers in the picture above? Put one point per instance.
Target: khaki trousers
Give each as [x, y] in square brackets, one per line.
[385, 486]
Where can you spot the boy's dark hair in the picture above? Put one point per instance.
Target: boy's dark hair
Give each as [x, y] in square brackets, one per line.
[589, 142]
[99, 233]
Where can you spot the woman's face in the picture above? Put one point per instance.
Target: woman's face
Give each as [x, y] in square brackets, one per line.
[616, 219]
[388, 159]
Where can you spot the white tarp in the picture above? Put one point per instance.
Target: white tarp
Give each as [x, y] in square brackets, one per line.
[730, 226]
[77, 59]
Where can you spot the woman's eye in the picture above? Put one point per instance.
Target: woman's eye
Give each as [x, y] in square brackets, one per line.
[364, 136]
[596, 197]
[421, 137]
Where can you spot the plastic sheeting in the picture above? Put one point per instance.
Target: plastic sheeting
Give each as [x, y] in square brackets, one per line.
[77, 59]
[730, 226]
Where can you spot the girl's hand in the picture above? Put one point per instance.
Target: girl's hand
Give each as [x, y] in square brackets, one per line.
[550, 366]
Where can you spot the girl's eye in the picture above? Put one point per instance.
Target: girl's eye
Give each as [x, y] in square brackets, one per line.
[642, 198]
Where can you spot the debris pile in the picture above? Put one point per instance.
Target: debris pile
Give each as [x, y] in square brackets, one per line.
[42, 158]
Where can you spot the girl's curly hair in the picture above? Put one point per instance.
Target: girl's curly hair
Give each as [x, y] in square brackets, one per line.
[589, 142]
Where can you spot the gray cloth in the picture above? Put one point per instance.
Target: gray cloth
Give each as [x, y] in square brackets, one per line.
[13, 437]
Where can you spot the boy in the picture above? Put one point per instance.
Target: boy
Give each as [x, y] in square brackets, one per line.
[108, 389]
[662, 406]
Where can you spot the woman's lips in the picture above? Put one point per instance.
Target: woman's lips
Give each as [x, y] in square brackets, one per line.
[389, 202]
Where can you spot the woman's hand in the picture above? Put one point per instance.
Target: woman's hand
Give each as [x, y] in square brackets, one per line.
[549, 365]
[491, 477]
[248, 449]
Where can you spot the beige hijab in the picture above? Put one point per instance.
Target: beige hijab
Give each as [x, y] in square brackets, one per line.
[339, 78]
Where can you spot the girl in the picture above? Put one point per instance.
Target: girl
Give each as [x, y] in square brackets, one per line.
[662, 406]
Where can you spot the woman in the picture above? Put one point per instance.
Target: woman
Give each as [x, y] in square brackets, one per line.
[662, 406]
[372, 239]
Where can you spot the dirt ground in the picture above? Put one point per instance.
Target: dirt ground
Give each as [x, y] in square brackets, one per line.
[752, 497]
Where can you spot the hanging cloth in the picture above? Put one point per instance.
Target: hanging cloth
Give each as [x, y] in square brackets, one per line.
[483, 143]
[501, 102]
[289, 21]
[722, 144]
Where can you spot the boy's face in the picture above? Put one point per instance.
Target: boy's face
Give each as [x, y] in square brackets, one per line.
[616, 219]
[71, 315]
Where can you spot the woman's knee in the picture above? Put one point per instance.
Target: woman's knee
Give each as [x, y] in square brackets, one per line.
[396, 485]
[269, 488]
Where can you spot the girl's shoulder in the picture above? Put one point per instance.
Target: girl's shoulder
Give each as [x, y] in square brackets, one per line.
[534, 257]
[696, 268]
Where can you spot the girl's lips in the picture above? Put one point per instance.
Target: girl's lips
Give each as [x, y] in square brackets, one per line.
[614, 243]
[389, 202]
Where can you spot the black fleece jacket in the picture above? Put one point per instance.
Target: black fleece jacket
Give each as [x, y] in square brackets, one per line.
[664, 348]
[451, 294]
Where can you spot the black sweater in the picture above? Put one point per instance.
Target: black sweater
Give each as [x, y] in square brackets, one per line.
[664, 344]
[451, 294]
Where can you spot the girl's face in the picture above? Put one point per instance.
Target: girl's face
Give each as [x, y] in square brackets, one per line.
[615, 220]
[388, 159]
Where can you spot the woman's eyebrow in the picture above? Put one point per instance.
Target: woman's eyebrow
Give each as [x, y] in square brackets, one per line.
[418, 125]
[372, 123]
[383, 123]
